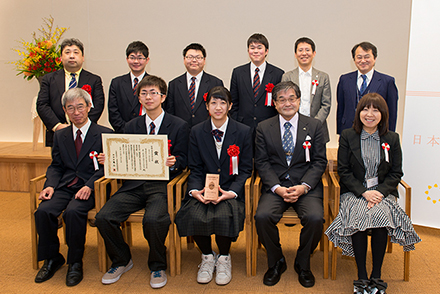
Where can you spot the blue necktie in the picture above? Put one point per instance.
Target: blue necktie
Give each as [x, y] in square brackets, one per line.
[192, 93]
[72, 83]
[152, 128]
[363, 86]
[288, 141]
[217, 135]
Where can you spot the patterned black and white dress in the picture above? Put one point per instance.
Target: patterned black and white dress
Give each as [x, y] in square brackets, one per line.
[354, 216]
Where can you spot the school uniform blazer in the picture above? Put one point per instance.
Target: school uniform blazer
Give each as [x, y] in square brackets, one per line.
[177, 131]
[347, 96]
[53, 87]
[351, 167]
[321, 101]
[203, 158]
[270, 158]
[123, 105]
[177, 101]
[66, 166]
[245, 108]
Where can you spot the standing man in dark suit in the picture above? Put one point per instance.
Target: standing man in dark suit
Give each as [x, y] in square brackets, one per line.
[123, 104]
[354, 85]
[150, 195]
[250, 84]
[290, 158]
[69, 187]
[185, 93]
[316, 95]
[56, 83]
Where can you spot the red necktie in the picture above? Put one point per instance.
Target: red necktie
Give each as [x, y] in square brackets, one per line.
[192, 93]
[78, 145]
[152, 129]
[256, 85]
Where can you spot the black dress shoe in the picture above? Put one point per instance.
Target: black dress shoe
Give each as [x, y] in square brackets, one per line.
[49, 268]
[74, 274]
[305, 277]
[273, 274]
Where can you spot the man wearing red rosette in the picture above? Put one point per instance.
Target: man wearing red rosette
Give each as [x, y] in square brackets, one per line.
[316, 95]
[223, 147]
[56, 83]
[69, 188]
[290, 157]
[251, 84]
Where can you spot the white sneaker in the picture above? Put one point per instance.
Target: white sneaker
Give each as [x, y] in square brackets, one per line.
[158, 279]
[114, 273]
[206, 268]
[223, 268]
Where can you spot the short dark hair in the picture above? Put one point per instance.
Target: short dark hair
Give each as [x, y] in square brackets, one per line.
[258, 38]
[152, 81]
[305, 40]
[135, 47]
[194, 46]
[366, 46]
[372, 100]
[219, 92]
[72, 42]
[284, 86]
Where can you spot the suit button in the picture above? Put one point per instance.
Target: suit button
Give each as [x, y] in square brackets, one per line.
[255, 105]
[255, 118]
[219, 170]
[193, 115]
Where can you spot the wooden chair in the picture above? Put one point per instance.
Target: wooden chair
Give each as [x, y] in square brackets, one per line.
[182, 187]
[335, 191]
[137, 217]
[35, 186]
[290, 217]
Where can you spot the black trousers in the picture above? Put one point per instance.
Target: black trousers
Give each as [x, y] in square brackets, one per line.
[75, 217]
[270, 209]
[153, 197]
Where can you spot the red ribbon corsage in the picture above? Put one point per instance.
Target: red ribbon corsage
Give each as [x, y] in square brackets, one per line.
[269, 88]
[233, 152]
[386, 147]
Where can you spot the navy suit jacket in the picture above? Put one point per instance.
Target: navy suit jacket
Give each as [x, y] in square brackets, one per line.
[203, 158]
[53, 87]
[123, 105]
[177, 131]
[270, 158]
[348, 97]
[66, 166]
[177, 101]
[244, 109]
[351, 168]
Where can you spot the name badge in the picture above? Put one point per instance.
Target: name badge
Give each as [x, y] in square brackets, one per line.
[372, 182]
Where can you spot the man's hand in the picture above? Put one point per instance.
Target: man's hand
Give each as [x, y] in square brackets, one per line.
[225, 195]
[61, 126]
[101, 158]
[290, 194]
[83, 193]
[46, 193]
[171, 160]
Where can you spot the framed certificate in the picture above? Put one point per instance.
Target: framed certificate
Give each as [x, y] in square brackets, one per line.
[135, 157]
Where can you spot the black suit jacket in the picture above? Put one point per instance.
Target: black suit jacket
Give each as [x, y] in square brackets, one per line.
[177, 101]
[203, 157]
[244, 109]
[123, 105]
[66, 166]
[270, 159]
[53, 87]
[177, 131]
[351, 167]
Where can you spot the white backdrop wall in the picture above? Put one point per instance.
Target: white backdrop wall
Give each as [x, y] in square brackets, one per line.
[223, 26]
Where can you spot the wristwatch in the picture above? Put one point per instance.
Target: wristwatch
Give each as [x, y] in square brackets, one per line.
[306, 188]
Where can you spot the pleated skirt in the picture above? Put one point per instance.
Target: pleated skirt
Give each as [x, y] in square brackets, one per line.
[224, 219]
[354, 216]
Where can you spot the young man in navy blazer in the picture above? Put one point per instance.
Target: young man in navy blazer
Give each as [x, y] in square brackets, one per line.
[123, 104]
[185, 93]
[366, 79]
[150, 195]
[56, 83]
[69, 187]
[250, 83]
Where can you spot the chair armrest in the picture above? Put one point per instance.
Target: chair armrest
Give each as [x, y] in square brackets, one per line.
[335, 191]
[257, 192]
[181, 189]
[407, 197]
[33, 191]
[248, 195]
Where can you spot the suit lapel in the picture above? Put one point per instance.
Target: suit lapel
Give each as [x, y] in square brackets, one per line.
[275, 135]
[209, 140]
[88, 143]
[60, 82]
[301, 134]
[266, 79]
[353, 87]
[355, 145]
[228, 140]
[128, 88]
[246, 80]
[375, 83]
[69, 144]
[203, 88]
[183, 89]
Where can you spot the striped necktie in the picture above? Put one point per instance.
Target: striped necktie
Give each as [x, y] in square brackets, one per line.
[152, 128]
[363, 86]
[192, 93]
[256, 84]
[288, 141]
[73, 82]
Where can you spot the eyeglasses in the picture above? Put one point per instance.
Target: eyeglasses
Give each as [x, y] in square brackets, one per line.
[152, 94]
[71, 109]
[133, 58]
[198, 58]
[284, 100]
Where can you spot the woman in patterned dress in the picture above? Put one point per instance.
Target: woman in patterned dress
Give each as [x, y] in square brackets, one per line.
[370, 168]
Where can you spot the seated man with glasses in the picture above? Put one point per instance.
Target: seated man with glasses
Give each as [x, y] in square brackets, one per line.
[151, 195]
[69, 187]
[290, 157]
[186, 92]
[123, 104]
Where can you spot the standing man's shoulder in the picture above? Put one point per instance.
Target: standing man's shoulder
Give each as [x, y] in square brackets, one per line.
[276, 70]
[173, 81]
[89, 74]
[348, 75]
[384, 76]
[121, 78]
[268, 122]
[174, 120]
[212, 79]
[100, 128]
[242, 67]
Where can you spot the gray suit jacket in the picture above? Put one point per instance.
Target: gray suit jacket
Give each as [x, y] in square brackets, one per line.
[322, 100]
